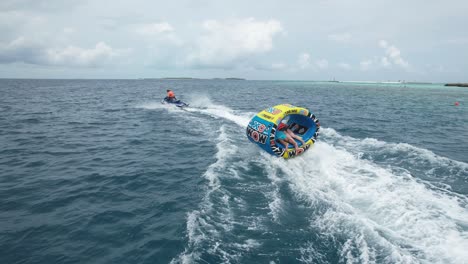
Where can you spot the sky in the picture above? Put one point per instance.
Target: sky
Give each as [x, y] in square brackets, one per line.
[346, 40]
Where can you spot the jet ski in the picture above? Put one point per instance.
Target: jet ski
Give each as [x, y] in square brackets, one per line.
[175, 102]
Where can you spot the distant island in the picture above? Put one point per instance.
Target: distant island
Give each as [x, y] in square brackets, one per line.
[457, 84]
[191, 78]
[232, 78]
[235, 79]
[177, 78]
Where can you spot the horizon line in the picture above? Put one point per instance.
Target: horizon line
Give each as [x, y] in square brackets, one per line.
[235, 79]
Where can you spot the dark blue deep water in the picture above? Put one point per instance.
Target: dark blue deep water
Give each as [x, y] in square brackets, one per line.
[98, 171]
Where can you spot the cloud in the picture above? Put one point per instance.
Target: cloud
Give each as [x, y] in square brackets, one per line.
[154, 29]
[343, 37]
[23, 50]
[13, 24]
[321, 63]
[392, 58]
[159, 34]
[384, 62]
[225, 42]
[393, 55]
[66, 30]
[72, 55]
[304, 61]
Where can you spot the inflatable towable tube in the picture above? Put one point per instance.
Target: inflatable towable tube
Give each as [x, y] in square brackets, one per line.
[262, 129]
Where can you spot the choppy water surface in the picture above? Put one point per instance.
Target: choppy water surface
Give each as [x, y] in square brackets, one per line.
[98, 171]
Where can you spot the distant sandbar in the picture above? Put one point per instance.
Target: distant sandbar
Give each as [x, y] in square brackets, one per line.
[457, 84]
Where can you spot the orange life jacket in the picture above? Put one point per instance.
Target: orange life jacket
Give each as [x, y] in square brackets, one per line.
[170, 94]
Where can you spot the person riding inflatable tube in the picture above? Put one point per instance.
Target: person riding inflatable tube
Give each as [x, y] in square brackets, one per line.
[263, 127]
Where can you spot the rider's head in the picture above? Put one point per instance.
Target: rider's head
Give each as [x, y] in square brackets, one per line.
[282, 127]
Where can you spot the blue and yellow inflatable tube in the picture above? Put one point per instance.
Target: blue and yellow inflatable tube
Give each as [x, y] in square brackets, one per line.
[262, 129]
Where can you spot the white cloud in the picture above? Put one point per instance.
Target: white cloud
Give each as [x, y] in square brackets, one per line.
[322, 63]
[383, 44]
[154, 29]
[25, 50]
[392, 58]
[343, 37]
[384, 62]
[72, 55]
[159, 34]
[224, 42]
[393, 55]
[304, 60]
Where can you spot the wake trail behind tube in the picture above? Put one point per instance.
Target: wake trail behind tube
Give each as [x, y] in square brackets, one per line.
[202, 230]
[447, 174]
[210, 228]
[382, 212]
[360, 146]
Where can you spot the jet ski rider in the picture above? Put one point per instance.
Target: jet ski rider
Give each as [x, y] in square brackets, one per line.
[170, 96]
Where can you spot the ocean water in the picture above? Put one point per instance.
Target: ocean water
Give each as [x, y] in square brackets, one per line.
[98, 171]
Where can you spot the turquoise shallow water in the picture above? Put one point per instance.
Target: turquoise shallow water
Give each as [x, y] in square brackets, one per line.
[98, 171]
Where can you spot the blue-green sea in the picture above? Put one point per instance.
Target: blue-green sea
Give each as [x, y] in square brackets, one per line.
[99, 171]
